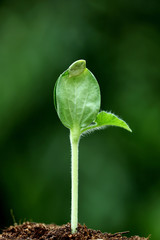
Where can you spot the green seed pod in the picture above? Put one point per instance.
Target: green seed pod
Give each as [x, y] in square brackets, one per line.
[77, 96]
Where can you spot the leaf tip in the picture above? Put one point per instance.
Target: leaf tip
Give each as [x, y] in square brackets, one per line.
[128, 128]
[77, 68]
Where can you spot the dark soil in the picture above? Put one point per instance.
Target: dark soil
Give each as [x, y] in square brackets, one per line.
[41, 231]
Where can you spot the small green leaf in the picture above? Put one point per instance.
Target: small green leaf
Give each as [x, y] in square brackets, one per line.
[77, 68]
[105, 119]
[77, 96]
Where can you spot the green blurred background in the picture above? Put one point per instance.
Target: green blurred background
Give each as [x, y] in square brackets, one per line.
[119, 174]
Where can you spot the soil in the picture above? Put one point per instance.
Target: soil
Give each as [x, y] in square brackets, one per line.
[42, 231]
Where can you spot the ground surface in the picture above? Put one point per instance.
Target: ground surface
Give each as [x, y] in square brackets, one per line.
[42, 232]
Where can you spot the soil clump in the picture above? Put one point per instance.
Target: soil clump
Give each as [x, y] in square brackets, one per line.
[34, 231]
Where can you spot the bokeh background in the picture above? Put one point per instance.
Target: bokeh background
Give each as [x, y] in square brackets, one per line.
[119, 173]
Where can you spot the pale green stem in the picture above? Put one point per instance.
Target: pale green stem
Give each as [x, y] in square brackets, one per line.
[74, 138]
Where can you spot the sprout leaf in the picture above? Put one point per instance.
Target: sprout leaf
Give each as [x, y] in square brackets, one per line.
[77, 96]
[105, 119]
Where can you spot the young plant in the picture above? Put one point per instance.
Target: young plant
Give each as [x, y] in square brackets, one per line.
[77, 101]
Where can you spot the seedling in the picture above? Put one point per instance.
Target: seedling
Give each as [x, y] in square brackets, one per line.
[77, 101]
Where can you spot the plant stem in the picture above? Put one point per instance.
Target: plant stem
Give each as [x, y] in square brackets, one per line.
[74, 138]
